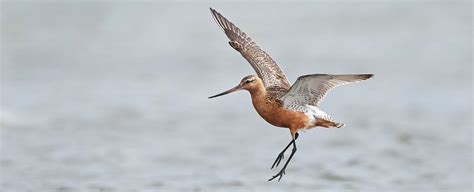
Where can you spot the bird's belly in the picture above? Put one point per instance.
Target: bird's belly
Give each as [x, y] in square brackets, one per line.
[281, 117]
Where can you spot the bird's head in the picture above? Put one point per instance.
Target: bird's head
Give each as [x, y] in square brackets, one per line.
[249, 83]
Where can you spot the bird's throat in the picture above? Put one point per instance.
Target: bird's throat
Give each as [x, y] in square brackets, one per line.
[258, 92]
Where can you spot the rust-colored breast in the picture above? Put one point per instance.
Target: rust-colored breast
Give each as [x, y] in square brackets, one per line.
[272, 111]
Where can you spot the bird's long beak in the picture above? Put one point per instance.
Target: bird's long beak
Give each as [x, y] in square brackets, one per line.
[236, 88]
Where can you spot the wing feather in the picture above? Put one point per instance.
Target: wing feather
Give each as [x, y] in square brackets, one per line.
[270, 73]
[311, 89]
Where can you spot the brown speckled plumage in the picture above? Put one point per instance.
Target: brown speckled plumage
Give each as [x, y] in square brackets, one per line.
[275, 101]
[262, 63]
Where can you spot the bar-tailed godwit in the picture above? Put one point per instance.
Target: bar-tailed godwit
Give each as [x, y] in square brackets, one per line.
[295, 107]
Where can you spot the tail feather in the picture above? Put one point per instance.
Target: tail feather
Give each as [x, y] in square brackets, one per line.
[328, 124]
[339, 125]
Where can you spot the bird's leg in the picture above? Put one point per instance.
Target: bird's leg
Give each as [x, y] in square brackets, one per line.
[282, 153]
[282, 171]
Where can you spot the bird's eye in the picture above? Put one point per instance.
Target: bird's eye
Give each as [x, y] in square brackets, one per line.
[248, 80]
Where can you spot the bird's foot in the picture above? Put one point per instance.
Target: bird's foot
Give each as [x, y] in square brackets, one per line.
[279, 175]
[280, 157]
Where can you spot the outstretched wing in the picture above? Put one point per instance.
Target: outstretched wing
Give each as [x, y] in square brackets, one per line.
[311, 89]
[262, 63]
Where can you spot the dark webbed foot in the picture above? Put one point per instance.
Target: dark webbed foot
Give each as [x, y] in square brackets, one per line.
[279, 175]
[280, 157]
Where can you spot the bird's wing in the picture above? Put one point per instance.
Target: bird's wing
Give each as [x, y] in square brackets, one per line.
[262, 63]
[311, 89]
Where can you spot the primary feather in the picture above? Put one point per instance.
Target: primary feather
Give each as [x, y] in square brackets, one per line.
[311, 89]
[270, 73]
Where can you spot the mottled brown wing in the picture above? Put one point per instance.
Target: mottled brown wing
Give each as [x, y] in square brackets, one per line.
[262, 63]
[311, 89]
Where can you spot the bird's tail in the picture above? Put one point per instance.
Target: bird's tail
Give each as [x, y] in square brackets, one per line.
[338, 125]
[328, 124]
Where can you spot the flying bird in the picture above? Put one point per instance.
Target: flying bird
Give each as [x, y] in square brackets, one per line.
[294, 107]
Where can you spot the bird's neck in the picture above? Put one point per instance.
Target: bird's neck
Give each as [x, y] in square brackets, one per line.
[258, 92]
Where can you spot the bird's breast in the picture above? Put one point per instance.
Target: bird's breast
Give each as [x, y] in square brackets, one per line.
[273, 112]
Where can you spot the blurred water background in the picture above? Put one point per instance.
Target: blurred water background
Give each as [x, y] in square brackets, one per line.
[112, 96]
